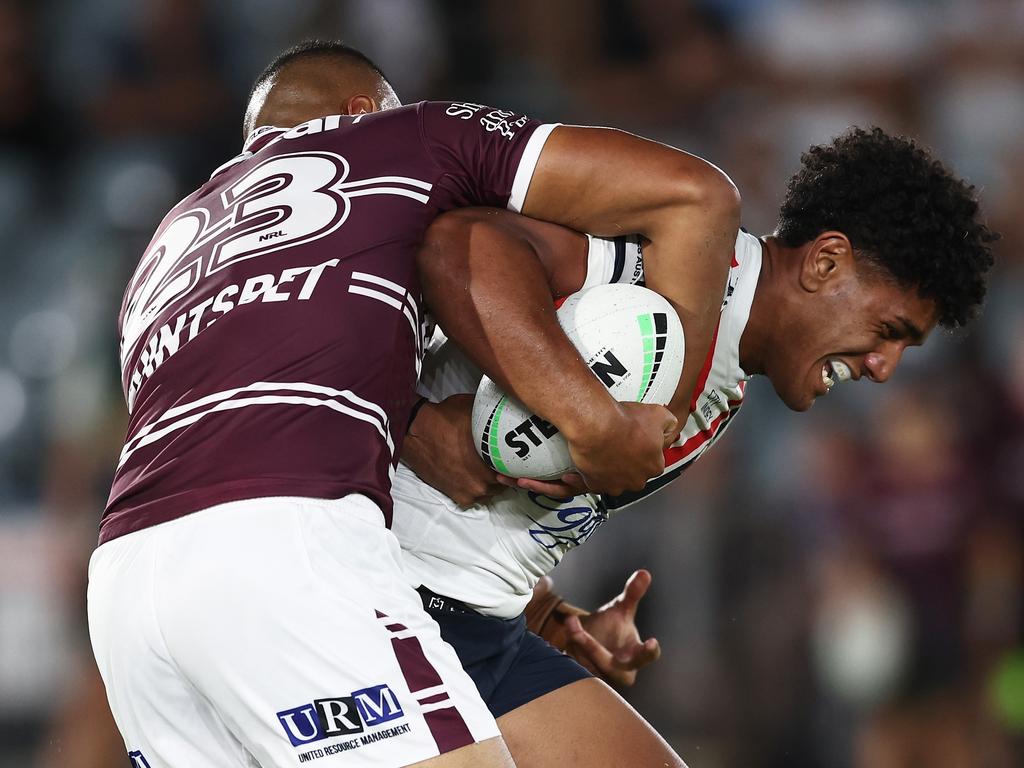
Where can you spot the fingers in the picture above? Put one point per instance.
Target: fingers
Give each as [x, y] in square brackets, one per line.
[476, 488]
[574, 480]
[619, 668]
[669, 428]
[643, 654]
[601, 658]
[571, 484]
[636, 587]
[547, 488]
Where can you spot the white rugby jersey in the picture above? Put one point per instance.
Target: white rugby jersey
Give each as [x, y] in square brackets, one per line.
[491, 555]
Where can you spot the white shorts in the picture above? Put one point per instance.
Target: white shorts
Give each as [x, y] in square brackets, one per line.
[274, 632]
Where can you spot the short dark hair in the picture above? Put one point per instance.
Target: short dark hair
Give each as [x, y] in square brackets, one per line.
[315, 48]
[902, 210]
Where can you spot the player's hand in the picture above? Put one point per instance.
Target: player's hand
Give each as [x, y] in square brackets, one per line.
[607, 642]
[627, 451]
[570, 484]
[439, 448]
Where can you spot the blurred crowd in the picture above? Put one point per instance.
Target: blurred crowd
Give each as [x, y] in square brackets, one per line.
[838, 588]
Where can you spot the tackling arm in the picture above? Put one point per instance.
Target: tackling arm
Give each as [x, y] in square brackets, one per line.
[608, 182]
[488, 289]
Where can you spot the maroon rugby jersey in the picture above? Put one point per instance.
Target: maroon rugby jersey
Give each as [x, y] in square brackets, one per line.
[271, 335]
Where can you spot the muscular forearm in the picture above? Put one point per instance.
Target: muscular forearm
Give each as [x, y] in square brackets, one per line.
[487, 287]
[608, 182]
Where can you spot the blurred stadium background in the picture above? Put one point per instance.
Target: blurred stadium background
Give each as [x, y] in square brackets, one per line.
[842, 588]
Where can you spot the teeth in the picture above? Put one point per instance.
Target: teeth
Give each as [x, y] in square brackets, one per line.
[835, 371]
[840, 370]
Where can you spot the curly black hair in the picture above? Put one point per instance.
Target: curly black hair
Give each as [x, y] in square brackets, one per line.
[902, 210]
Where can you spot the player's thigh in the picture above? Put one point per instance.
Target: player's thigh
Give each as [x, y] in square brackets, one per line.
[491, 752]
[162, 719]
[583, 723]
[293, 617]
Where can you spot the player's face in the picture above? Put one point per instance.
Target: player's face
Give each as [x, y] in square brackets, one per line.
[859, 327]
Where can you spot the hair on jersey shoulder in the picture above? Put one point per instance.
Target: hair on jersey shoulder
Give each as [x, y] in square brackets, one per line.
[902, 210]
[316, 49]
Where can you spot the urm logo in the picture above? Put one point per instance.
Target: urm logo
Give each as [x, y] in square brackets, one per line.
[377, 705]
[340, 715]
[138, 759]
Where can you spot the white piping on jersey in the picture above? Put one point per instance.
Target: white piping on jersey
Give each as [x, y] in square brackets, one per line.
[389, 191]
[403, 303]
[527, 165]
[233, 161]
[353, 405]
[388, 180]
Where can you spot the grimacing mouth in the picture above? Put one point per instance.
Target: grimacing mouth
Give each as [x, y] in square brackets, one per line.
[833, 372]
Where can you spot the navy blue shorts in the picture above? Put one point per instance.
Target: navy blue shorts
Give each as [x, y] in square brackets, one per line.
[510, 665]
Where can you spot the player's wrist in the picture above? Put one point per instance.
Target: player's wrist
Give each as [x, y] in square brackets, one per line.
[595, 422]
[546, 615]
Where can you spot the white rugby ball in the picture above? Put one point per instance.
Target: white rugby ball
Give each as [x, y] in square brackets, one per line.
[633, 342]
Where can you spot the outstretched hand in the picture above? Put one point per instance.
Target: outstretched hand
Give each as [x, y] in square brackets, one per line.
[607, 641]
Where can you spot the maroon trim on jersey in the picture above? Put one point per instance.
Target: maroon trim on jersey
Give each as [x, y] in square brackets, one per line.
[446, 724]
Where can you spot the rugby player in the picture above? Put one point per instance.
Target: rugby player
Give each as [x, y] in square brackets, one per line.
[876, 243]
[247, 602]
[878, 296]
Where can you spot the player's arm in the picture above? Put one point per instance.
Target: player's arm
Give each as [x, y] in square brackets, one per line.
[607, 182]
[439, 445]
[492, 298]
[597, 180]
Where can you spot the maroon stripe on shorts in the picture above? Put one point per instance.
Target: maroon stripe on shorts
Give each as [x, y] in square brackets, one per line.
[448, 729]
[419, 673]
[446, 725]
[437, 697]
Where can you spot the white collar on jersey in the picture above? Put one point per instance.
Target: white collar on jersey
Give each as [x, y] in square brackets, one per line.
[737, 311]
[257, 132]
[247, 151]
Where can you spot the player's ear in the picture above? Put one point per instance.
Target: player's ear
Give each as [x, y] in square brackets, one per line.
[824, 258]
[359, 104]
